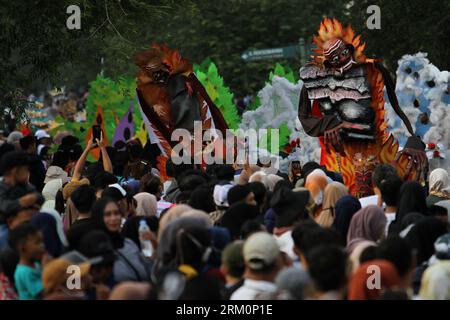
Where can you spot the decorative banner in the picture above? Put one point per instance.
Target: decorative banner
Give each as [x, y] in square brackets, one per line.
[98, 121]
[125, 129]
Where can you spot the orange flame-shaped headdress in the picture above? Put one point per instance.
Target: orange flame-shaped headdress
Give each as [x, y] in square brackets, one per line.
[332, 29]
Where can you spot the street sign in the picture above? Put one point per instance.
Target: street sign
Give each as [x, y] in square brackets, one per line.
[271, 53]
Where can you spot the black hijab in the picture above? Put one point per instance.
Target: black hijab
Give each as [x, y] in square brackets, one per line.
[97, 215]
[345, 208]
[412, 199]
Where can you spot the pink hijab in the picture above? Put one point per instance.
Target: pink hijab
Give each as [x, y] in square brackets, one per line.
[367, 224]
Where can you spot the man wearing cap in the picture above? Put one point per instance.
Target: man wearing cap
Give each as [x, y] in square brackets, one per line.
[262, 264]
[43, 138]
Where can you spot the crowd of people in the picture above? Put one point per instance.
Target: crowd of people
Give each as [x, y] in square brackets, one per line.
[220, 232]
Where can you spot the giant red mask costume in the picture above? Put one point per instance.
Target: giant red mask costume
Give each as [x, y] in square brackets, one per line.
[342, 103]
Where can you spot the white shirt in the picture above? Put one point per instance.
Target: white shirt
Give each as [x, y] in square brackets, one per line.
[254, 290]
[390, 216]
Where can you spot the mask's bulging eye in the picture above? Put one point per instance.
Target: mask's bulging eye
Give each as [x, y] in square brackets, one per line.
[335, 59]
[345, 52]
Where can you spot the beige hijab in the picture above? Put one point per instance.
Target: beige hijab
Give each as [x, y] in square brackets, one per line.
[333, 192]
[147, 205]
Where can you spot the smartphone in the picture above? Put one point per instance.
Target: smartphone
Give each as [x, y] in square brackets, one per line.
[96, 132]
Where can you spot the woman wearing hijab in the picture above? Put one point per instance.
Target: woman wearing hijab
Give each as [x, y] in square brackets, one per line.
[422, 237]
[47, 224]
[130, 264]
[439, 186]
[316, 183]
[146, 204]
[333, 192]
[435, 282]
[344, 210]
[358, 287]
[367, 224]
[412, 199]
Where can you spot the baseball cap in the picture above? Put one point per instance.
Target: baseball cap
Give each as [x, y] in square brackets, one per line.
[40, 134]
[55, 273]
[221, 195]
[260, 250]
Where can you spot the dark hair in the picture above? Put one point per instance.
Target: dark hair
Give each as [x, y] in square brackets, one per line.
[83, 198]
[327, 265]
[423, 235]
[95, 244]
[12, 160]
[390, 188]
[368, 254]
[190, 182]
[136, 169]
[397, 251]
[225, 172]
[412, 199]
[150, 183]
[238, 193]
[27, 142]
[436, 211]
[381, 172]
[5, 148]
[60, 159]
[202, 199]
[19, 234]
[97, 216]
[259, 190]
[310, 237]
[113, 193]
[249, 227]
[201, 287]
[103, 180]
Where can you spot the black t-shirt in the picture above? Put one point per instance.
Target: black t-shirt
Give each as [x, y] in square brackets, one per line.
[77, 230]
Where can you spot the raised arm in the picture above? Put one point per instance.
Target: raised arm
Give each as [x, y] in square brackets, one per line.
[77, 171]
[107, 164]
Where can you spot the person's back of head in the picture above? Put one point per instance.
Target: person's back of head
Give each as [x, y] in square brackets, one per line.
[250, 227]
[260, 192]
[103, 179]
[150, 183]
[438, 212]
[225, 172]
[202, 199]
[381, 172]
[28, 143]
[398, 252]
[262, 255]
[312, 237]
[233, 259]
[390, 188]
[238, 193]
[191, 182]
[18, 236]
[83, 198]
[412, 199]
[201, 287]
[60, 159]
[327, 265]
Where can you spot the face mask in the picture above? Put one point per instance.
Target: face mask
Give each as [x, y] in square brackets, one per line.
[319, 198]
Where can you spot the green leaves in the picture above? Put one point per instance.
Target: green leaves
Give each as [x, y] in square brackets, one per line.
[220, 94]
